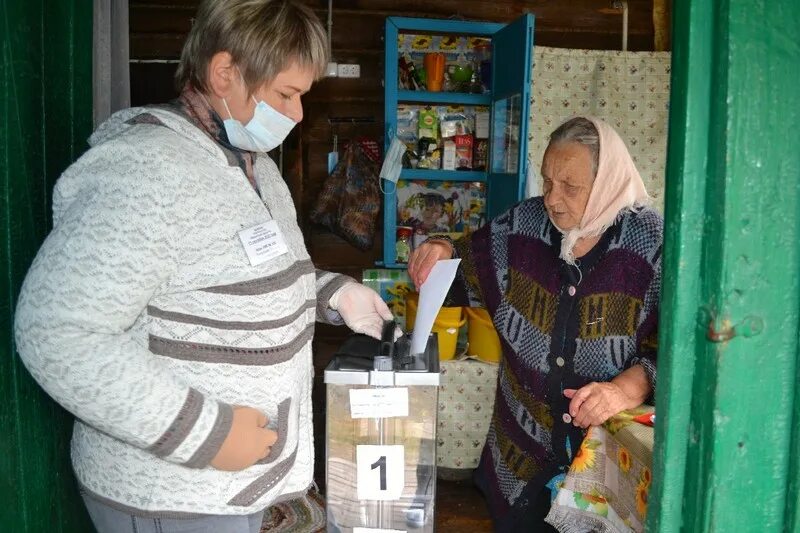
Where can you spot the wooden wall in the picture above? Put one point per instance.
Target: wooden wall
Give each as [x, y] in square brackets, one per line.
[158, 28]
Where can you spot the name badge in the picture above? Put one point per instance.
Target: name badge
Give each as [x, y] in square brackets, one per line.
[263, 242]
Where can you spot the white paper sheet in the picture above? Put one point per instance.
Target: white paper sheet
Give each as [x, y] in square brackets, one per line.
[380, 471]
[431, 298]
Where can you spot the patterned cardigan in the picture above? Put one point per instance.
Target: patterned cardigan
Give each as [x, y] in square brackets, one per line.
[560, 327]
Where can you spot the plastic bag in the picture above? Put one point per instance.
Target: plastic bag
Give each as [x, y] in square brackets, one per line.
[350, 199]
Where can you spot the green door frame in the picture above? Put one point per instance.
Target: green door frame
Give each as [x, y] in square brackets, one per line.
[45, 119]
[726, 456]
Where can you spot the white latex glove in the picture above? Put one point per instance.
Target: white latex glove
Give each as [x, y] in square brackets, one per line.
[362, 309]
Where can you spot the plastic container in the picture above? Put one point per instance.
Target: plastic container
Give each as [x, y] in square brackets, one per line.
[434, 71]
[446, 326]
[381, 450]
[484, 343]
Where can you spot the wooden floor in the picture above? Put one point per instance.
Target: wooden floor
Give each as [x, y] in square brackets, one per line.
[460, 508]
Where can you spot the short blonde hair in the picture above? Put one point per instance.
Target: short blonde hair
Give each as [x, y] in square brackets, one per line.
[264, 37]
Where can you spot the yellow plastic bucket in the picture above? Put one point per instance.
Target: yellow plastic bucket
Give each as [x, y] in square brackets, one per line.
[446, 325]
[483, 340]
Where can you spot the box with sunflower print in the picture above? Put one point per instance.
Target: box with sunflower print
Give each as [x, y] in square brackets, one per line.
[392, 285]
[447, 207]
[609, 480]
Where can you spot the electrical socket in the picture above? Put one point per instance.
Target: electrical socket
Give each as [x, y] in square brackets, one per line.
[348, 70]
[332, 70]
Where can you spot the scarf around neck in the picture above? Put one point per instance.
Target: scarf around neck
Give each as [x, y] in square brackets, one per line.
[192, 105]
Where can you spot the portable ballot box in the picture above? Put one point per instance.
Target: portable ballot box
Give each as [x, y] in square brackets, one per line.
[381, 436]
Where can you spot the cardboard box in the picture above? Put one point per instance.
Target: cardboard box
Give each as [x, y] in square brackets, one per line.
[393, 285]
[449, 157]
[482, 125]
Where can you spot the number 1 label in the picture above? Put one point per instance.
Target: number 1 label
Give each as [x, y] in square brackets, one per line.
[381, 463]
[380, 472]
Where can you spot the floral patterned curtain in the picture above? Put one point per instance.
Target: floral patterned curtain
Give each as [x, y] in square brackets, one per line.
[629, 90]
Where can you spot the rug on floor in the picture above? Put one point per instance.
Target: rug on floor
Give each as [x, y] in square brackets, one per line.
[303, 515]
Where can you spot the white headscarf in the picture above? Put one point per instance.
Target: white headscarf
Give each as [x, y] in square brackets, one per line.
[617, 186]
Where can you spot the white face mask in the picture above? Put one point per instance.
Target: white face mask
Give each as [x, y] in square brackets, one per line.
[266, 130]
[393, 162]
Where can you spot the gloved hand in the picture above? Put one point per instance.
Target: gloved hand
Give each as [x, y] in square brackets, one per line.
[362, 309]
[248, 441]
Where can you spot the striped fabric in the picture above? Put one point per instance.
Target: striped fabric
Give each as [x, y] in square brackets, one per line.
[560, 327]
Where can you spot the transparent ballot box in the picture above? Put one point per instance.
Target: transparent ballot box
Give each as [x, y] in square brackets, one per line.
[381, 436]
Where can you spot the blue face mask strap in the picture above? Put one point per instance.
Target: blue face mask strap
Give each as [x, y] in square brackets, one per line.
[384, 191]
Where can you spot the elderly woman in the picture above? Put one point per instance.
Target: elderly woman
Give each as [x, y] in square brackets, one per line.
[172, 307]
[572, 282]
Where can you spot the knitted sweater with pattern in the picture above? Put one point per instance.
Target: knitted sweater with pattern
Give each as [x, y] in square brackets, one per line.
[560, 327]
[143, 316]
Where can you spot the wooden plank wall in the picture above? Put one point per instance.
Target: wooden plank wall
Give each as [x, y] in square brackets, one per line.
[158, 28]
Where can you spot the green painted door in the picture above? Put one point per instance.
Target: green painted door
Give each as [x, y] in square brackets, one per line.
[727, 446]
[45, 118]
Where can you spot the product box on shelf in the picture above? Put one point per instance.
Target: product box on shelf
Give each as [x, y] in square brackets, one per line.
[441, 206]
[392, 285]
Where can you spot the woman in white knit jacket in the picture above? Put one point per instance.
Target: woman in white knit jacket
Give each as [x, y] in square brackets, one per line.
[172, 307]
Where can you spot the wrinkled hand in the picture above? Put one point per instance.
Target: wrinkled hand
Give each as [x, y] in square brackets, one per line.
[248, 441]
[595, 403]
[424, 258]
[362, 309]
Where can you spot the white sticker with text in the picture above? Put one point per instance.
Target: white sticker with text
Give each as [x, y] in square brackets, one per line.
[379, 402]
[263, 242]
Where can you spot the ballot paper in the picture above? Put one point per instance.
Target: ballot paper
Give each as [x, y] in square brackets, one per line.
[431, 298]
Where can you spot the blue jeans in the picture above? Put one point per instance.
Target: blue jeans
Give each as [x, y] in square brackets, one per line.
[107, 519]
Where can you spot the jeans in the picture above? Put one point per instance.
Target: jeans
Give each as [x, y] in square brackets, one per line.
[110, 520]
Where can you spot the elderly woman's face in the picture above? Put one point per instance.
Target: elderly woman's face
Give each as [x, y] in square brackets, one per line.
[568, 178]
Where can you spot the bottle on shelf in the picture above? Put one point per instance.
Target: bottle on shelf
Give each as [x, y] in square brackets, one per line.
[402, 246]
[483, 56]
[414, 79]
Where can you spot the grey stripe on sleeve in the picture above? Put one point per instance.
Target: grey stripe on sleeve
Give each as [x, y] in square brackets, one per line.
[213, 353]
[206, 452]
[265, 285]
[324, 294]
[178, 430]
[282, 428]
[262, 484]
[224, 324]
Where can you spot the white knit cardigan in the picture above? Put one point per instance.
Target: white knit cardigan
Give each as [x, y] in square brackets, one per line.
[143, 317]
